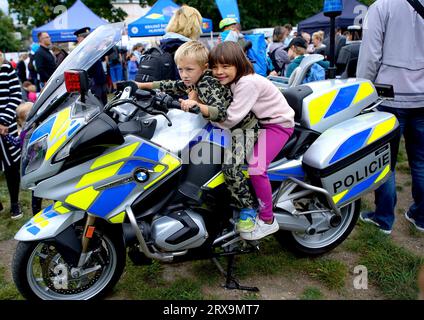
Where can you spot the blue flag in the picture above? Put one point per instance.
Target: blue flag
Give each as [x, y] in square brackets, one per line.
[228, 9]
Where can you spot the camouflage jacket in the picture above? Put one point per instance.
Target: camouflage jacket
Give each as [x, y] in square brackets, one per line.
[211, 93]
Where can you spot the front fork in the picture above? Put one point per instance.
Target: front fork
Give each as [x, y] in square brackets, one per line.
[86, 237]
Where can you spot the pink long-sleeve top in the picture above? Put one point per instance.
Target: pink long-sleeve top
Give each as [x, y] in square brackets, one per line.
[257, 94]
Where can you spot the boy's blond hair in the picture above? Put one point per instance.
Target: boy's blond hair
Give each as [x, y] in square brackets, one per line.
[22, 112]
[194, 50]
[186, 21]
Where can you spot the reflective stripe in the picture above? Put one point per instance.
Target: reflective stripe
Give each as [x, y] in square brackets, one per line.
[319, 106]
[343, 100]
[55, 147]
[82, 199]
[118, 219]
[365, 90]
[339, 196]
[62, 122]
[99, 175]
[172, 164]
[216, 181]
[115, 156]
[382, 129]
[383, 174]
[159, 168]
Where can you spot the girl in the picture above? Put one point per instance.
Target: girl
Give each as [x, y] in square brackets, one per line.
[254, 93]
[213, 100]
[31, 91]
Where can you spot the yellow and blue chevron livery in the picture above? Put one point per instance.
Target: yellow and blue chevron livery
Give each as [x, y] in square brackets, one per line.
[363, 138]
[41, 220]
[104, 189]
[340, 99]
[58, 129]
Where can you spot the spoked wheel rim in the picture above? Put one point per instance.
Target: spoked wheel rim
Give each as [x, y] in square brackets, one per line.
[330, 236]
[50, 278]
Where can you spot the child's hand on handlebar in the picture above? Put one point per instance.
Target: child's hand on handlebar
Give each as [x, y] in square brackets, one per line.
[186, 105]
[194, 96]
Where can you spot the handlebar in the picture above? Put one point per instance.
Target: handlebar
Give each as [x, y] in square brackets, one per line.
[167, 101]
[162, 101]
[149, 101]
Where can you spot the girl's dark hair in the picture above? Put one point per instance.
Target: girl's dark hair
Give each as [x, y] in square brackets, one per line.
[230, 53]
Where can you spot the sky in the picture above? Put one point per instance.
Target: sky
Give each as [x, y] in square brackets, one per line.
[4, 6]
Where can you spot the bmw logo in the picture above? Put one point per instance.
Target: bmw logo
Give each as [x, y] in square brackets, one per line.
[141, 175]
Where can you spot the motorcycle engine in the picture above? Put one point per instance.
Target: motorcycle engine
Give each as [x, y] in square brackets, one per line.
[179, 230]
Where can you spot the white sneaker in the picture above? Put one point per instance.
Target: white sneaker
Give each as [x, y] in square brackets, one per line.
[261, 230]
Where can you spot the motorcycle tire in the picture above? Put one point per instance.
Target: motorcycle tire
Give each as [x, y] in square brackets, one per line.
[30, 287]
[293, 241]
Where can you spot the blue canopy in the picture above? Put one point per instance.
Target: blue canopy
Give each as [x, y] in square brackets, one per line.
[228, 9]
[63, 27]
[154, 22]
[353, 13]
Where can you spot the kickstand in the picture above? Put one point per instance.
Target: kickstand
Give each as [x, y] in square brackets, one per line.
[231, 283]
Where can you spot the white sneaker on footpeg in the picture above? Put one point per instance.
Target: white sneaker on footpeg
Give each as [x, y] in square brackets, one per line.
[261, 230]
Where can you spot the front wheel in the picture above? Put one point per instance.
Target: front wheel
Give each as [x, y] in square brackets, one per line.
[318, 244]
[40, 272]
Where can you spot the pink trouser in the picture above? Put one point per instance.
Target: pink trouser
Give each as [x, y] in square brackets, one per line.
[271, 141]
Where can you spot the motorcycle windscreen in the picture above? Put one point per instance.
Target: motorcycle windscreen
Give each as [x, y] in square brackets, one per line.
[354, 157]
[94, 47]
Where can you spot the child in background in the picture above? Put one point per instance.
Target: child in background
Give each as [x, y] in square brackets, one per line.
[297, 51]
[254, 93]
[132, 67]
[22, 112]
[31, 91]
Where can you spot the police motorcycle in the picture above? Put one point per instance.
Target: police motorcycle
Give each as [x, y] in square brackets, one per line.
[120, 183]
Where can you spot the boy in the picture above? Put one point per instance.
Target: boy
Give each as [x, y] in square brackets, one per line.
[192, 63]
[196, 80]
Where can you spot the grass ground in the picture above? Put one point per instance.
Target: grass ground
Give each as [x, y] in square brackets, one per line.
[392, 264]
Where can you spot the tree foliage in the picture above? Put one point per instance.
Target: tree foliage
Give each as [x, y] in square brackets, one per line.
[8, 43]
[260, 13]
[254, 14]
[36, 13]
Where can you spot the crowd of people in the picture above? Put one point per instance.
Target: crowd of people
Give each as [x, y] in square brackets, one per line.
[236, 95]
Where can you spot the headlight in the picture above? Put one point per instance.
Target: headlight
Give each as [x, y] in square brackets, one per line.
[34, 156]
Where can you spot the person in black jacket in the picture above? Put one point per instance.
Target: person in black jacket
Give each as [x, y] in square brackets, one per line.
[21, 68]
[96, 73]
[45, 61]
[184, 26]
[10, 151]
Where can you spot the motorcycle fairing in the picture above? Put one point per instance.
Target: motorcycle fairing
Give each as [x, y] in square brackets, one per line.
[103, 186]
[48, 223]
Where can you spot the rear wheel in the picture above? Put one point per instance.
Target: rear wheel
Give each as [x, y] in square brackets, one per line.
[320, 243]
[40, 271]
